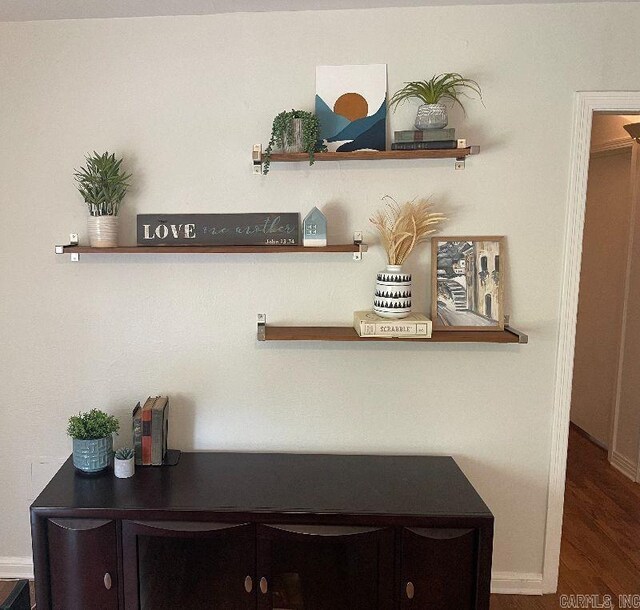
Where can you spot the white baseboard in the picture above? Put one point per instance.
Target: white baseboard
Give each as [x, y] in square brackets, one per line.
[516, 583]
[16, 567]
[623, 464]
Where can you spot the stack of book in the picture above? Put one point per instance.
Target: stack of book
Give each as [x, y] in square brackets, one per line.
[150, 431]
[428, 139]
[414, 326]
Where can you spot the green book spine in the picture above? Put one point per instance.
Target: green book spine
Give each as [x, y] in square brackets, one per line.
[444, 144]
[427, 135]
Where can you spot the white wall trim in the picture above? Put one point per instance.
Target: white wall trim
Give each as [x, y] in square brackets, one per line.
[585, 104]
[516, 583]
[623, 464]
[16, 567]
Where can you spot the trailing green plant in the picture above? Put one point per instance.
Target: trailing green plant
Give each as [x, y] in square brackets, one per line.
[126, 453]
[282, 135]
[102, 183]
[447, 86]
[92, 425]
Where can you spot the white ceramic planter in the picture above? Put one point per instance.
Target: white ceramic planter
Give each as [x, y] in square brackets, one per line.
[124, 469]
[392, 298]
[103, 231]
[432, 116]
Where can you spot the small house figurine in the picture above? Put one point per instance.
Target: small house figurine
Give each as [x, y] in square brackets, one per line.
[314, 232]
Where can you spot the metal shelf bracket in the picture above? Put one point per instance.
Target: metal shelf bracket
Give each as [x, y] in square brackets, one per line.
[262, 324]
[73, 241]
[257, 159]
[522, 337]
[460, 162]
[357, 241]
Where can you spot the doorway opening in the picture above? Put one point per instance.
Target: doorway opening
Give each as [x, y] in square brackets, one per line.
[587, 104]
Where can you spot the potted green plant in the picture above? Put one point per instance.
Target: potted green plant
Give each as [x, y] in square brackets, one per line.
[123, 464]
[103, 185]
[432, 113]
[92, 434]
[295, 131]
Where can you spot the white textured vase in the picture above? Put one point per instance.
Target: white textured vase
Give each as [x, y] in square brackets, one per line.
[432, 116]
[103, 231]
[124, 469]
[295, 144]
[392, 298]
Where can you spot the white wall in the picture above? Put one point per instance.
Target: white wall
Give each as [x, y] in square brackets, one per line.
[184, 99]
[626, 434]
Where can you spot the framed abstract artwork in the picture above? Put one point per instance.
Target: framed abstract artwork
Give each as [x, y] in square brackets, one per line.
[467, 283]
[351, 106]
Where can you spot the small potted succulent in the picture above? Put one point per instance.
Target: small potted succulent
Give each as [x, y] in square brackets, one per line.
[123, 464]
[432, 113]
[92, 434]
[103, 185]
[295, 131]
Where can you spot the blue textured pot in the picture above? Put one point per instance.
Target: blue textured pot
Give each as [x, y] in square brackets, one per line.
[93, 455]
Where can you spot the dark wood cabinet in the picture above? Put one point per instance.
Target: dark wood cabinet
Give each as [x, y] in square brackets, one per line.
[317, 568]
[169, 565]
[83, 563]
[234, 531]
[439, 568]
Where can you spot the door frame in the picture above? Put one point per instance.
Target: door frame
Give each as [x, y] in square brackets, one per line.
[585, 104]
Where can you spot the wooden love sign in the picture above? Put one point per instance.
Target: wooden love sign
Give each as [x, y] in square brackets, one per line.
[253, 229]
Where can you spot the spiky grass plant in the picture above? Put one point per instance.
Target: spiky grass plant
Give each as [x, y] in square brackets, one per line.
[126, 453]
[447, 86]
[102, 183]
[92, 425]
[402, 226]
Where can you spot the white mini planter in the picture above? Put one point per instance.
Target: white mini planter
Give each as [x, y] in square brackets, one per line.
[124, 469]
[103, 231]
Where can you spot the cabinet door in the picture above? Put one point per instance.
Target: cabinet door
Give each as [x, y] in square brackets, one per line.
[83, 564]
[438, 569]
[194, 565]
[322, 567]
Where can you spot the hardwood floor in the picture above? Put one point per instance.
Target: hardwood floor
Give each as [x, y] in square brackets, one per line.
[600, 553]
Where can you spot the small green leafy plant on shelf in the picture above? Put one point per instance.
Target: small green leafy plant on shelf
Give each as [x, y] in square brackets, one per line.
[92, 425]
[282, 135]
[126, 453]
[441, 87]
[102, 183]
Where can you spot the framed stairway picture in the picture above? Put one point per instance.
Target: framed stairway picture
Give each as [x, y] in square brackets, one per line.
[467, 283]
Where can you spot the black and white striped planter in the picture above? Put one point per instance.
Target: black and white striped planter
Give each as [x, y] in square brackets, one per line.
[392, 298]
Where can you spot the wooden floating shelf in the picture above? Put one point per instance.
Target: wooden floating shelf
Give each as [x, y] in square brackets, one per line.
[347, 333]
[211, 249]
[374, 155]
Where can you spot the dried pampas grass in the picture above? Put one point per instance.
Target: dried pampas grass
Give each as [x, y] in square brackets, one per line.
[404, 225]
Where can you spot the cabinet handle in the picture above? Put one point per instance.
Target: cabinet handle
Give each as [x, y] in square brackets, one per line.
[264, 585]
[248, 584]
[410, 590]
[107, 581]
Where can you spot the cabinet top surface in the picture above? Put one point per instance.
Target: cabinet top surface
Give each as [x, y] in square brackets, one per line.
[275, 483]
